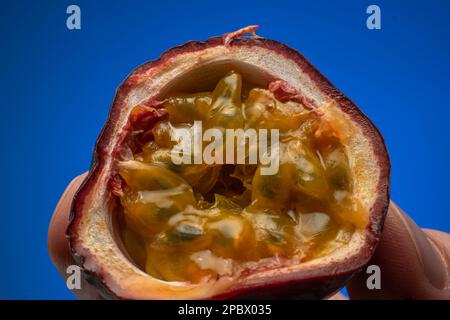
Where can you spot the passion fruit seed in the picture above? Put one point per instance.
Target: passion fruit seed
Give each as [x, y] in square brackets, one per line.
[175, 234]
[187, 108]
[225, 109]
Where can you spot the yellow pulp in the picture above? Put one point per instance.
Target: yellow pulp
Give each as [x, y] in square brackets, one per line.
[190, 221]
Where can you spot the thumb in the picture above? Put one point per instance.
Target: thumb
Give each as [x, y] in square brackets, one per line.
[414, 264]
[58, 245]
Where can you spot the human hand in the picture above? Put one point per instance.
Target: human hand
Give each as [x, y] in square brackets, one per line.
[414, 262]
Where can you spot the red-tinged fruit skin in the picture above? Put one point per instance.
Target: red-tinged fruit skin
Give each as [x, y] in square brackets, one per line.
[309, 284]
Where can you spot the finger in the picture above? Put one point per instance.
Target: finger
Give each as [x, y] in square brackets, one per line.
[58, 245]
[337, 296]
[414, 264]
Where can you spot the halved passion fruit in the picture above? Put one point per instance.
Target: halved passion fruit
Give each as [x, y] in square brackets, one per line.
[147, 225]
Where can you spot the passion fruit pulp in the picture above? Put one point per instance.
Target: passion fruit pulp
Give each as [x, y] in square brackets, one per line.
[145, 227]
[190, 221]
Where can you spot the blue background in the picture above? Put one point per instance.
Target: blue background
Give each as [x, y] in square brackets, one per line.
[57, 85]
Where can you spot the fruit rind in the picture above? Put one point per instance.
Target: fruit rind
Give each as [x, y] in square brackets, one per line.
[309, 282]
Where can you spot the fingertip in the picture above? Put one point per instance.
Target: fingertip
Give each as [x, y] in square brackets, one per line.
[410, 267]
[57, 242]
[441, 243]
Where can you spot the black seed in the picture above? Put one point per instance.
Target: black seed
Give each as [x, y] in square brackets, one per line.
[185, 232]
[270, 186]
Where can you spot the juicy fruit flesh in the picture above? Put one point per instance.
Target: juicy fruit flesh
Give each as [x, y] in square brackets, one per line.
[194, 221]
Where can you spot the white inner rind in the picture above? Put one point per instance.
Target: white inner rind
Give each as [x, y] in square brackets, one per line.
[97, 244]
